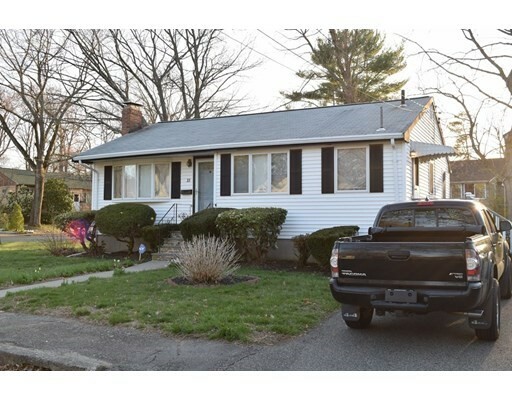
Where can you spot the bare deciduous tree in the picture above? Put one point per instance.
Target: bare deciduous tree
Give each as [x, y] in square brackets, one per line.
[38, 88]
[175, 74]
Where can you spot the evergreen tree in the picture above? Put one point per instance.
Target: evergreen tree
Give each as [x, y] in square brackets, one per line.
[16, 219]
[57, 200]
[352, 66]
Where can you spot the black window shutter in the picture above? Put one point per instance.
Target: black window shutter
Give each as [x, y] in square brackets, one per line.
[376, 168]
[328, 170]
[296, 171]
[176, 180]
[225, 175]
[107, 182]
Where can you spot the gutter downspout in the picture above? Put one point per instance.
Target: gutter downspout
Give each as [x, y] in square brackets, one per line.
[395, 169]
[95, 176]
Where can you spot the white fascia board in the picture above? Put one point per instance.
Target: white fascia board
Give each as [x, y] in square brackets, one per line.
[230, 146]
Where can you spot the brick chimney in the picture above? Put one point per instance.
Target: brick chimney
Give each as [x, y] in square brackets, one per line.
[131, 118]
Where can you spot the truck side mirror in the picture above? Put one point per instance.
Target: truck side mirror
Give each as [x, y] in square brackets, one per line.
[505, 225]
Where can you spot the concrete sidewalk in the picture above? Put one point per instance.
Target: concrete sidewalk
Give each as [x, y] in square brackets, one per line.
[147, 266]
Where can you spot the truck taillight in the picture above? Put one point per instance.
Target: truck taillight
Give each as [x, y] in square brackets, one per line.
[473, 267]
[334, 263]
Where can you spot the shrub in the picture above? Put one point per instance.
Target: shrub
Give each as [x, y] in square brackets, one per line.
[125, 221]
[56, 199]
[57, 243]
[79, 226]
[61, 221]
[253, 230]
[322, 241]
[16, 220]
[201, 223]
[4, 220]
[154, 235]
[24, 197]
[207, 259]
[302, 251]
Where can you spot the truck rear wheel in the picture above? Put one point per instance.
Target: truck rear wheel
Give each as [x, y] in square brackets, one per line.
[493, 332]
[365, 319]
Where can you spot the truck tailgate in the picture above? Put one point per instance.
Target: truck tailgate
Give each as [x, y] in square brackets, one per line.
[404, 263]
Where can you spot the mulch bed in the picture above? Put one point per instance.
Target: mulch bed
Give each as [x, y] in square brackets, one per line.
[229, 280]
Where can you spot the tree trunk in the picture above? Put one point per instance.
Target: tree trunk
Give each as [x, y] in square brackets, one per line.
[37, 205]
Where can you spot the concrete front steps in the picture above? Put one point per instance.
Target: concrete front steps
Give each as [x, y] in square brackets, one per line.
[170, 249]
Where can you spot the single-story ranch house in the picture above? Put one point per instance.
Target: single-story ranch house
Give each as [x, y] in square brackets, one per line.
[327, 166]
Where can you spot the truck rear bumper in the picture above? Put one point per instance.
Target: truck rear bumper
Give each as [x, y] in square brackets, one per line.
[428, 299]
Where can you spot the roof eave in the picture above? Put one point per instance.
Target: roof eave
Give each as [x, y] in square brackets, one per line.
[231, 146]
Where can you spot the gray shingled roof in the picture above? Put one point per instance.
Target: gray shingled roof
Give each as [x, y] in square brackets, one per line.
[351, 122]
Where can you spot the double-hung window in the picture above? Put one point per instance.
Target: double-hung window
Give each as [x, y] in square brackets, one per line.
[143, 181]
[352, 168]
[260, 173]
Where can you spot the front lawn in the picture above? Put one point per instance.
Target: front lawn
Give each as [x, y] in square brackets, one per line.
[280, 304]
[27, 262]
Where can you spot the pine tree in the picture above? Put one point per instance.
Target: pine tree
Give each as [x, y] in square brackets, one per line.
[352, 66]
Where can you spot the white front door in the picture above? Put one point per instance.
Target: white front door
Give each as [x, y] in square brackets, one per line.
[204, 184]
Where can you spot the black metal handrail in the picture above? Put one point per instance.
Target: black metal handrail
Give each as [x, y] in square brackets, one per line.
[175, 207]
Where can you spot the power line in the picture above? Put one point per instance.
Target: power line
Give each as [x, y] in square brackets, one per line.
[259, 52]
[286, 48]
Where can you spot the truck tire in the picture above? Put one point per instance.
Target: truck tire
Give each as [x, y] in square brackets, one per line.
[506, 281]
[365, 319]
[493, 332]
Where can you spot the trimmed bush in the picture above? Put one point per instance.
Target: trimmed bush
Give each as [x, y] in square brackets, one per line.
[321, 242]
[125, 221]
[153, 236]
[16, 220]
[253, 230]
[302, 251]
[201, 223]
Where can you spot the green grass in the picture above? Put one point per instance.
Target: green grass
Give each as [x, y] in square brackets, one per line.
[280, 304]
[27, 262]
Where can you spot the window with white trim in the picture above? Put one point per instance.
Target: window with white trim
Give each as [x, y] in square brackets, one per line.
[142, 181]
[352, 168]
[260, 173]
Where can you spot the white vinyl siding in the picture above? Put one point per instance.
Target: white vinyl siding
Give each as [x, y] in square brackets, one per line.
[160, 204]
[313, 210]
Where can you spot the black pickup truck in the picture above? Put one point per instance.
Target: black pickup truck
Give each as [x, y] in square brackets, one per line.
[443, 255]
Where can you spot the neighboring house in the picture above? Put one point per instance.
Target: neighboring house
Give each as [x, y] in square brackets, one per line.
[327, 166]
[79, 187]
[480, 179]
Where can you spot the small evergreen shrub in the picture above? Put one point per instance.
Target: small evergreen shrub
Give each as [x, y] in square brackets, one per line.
[207, 259]
[154, 235]
[201, 223]
[302, 251]
[24, 197]
[16, 220]
[321, 242]
[125, 221]
[253, 230]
